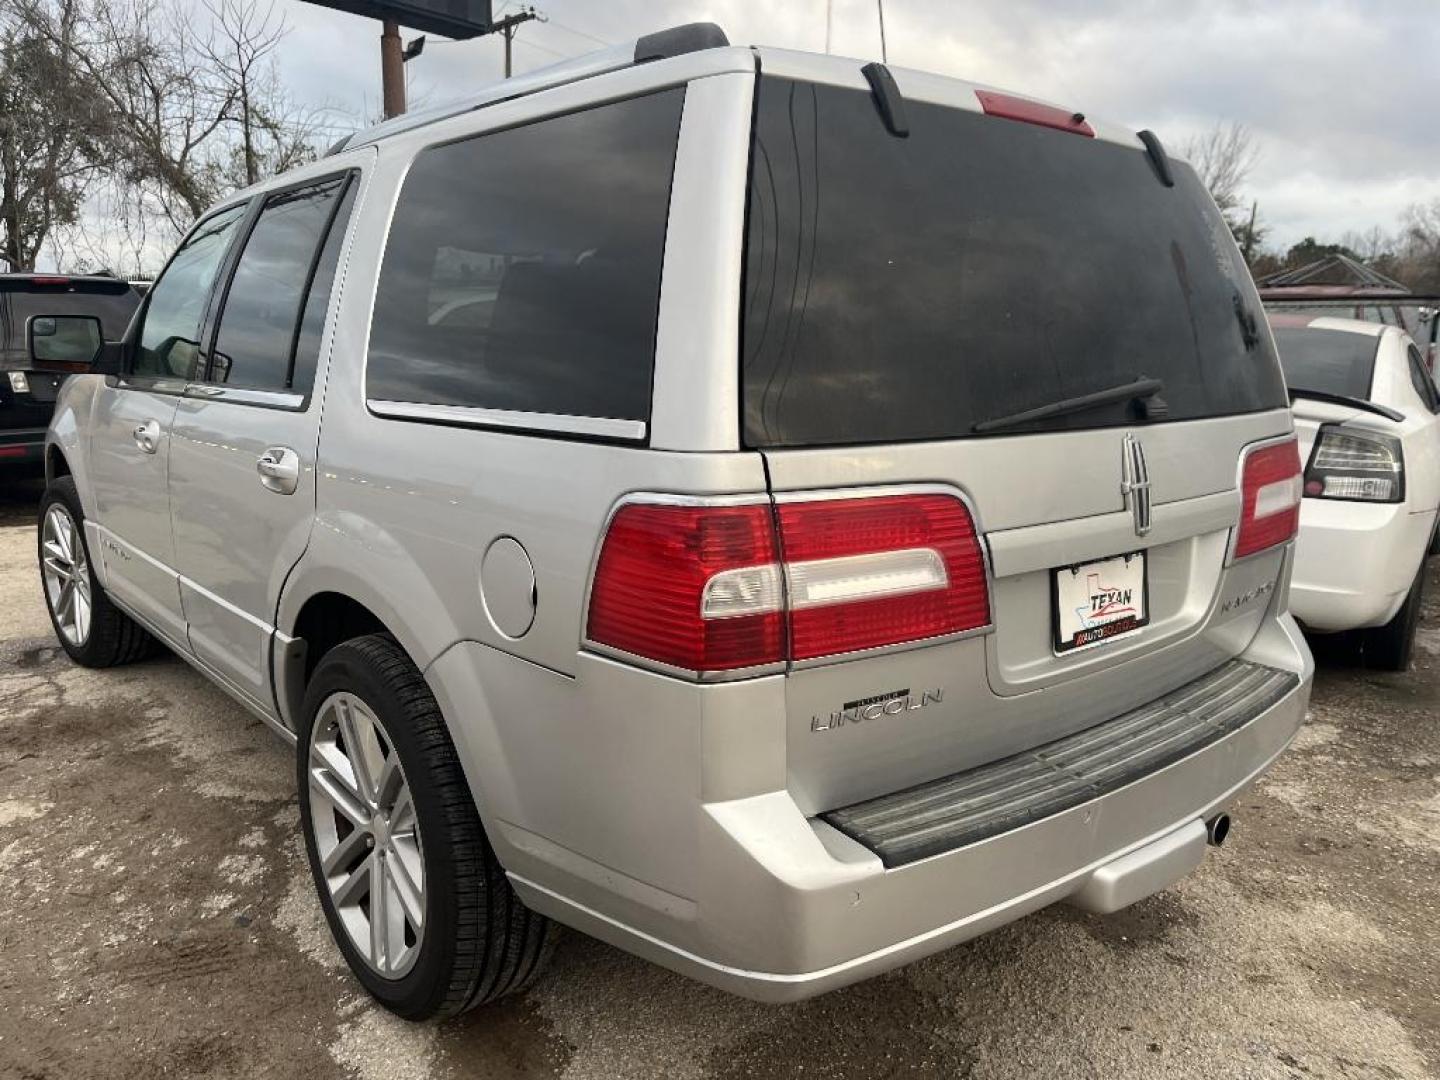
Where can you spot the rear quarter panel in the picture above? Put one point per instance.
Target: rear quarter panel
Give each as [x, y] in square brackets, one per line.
[571, 758]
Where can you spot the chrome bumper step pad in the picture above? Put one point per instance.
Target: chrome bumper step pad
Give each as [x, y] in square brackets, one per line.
[971, 806]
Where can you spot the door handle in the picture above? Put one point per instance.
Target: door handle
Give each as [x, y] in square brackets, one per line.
[147, 436]
[279, 469]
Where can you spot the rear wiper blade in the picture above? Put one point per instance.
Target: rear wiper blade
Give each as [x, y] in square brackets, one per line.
[1348, 401]
[1140, 389]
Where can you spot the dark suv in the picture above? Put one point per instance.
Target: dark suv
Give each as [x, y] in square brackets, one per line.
[27, 396]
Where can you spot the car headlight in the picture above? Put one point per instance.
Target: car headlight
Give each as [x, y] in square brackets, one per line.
[19, 383]
[1361, 466]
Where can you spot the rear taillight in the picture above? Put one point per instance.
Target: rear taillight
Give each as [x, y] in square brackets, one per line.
[1359, 466]
[695, 587]
[1269, 497]
[714, 588]
[867, 573]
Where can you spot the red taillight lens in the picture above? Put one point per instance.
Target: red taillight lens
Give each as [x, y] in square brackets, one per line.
[703, 588]
[695, 587]
[865, 573]
[1009, 107]
[1270, 490]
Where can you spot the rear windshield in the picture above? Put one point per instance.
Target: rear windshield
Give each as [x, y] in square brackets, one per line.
[113, 304]
[911, 288]
[1331, 361]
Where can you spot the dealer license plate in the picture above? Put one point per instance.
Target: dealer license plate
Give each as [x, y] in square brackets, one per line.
[1099, 601]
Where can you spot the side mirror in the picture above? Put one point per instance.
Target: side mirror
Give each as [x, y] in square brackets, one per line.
[68, 343]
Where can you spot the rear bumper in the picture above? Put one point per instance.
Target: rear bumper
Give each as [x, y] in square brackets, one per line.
[1354, 562]
[788, 907]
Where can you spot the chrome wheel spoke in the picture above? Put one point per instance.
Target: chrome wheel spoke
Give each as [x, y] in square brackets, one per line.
[80, 602]
[406, 891]
[338, 799]
[380, 916]
[357, 734]
[342, 859]
[357, 886]
[63, 537]
[390, 784]
[402, 814]
[329, 757]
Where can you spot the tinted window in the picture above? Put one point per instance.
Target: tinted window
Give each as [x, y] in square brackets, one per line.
[911, 288]
[1331, 361]
[317, 303]
[1420, 379]
[257, 335]
[112, 304]
[170, 338]
[523, 266]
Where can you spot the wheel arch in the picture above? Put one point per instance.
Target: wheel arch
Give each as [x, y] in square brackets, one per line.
[334, 595]
[56, 464]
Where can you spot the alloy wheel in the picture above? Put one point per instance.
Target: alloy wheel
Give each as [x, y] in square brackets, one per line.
[66, 573]
[367, 836]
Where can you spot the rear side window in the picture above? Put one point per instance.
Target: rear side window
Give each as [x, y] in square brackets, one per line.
[1330, 361]
[317, 303]
[255, 345]
[522, 270]
[910, 288]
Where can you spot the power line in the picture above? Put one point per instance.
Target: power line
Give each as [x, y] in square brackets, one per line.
[553, 52]
[581, 33]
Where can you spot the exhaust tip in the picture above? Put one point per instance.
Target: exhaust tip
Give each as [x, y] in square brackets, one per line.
[1217, 829]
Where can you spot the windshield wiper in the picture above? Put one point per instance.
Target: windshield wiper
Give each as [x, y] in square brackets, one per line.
[1142, 389]
[1348, 401]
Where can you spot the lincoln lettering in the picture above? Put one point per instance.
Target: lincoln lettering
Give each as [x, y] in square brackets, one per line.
[894, 703]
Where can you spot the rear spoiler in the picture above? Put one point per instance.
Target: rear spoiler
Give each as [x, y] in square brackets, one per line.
[1348, 401]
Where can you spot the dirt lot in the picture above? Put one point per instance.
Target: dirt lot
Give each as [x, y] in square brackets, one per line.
[156, 919]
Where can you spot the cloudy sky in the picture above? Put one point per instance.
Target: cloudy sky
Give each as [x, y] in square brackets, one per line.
[1337, 94]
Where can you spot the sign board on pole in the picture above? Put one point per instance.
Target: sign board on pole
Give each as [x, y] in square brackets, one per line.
[450, 18]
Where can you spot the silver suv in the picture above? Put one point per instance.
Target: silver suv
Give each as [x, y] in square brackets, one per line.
[779, 515]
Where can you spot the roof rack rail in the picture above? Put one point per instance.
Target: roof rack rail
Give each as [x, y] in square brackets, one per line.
[662, 45]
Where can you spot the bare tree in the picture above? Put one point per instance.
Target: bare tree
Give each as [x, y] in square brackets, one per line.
[1223, 158]
[147, 64]
[192, 102]
[53, 135]
[274, 133]
[1418, 257]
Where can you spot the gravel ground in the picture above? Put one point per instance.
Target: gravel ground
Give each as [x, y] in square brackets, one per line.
[156, 919]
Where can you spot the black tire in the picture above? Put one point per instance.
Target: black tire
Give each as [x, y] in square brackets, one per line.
[480, 942]
[1389, 647]
[114, 637]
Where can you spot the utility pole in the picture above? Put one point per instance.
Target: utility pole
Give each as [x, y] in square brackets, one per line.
[393, 58]
[509, 25]
[884, 56]
[393, 55]
[829, 21]
[392, 69]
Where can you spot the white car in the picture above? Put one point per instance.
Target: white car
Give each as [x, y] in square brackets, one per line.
[1366, 413]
